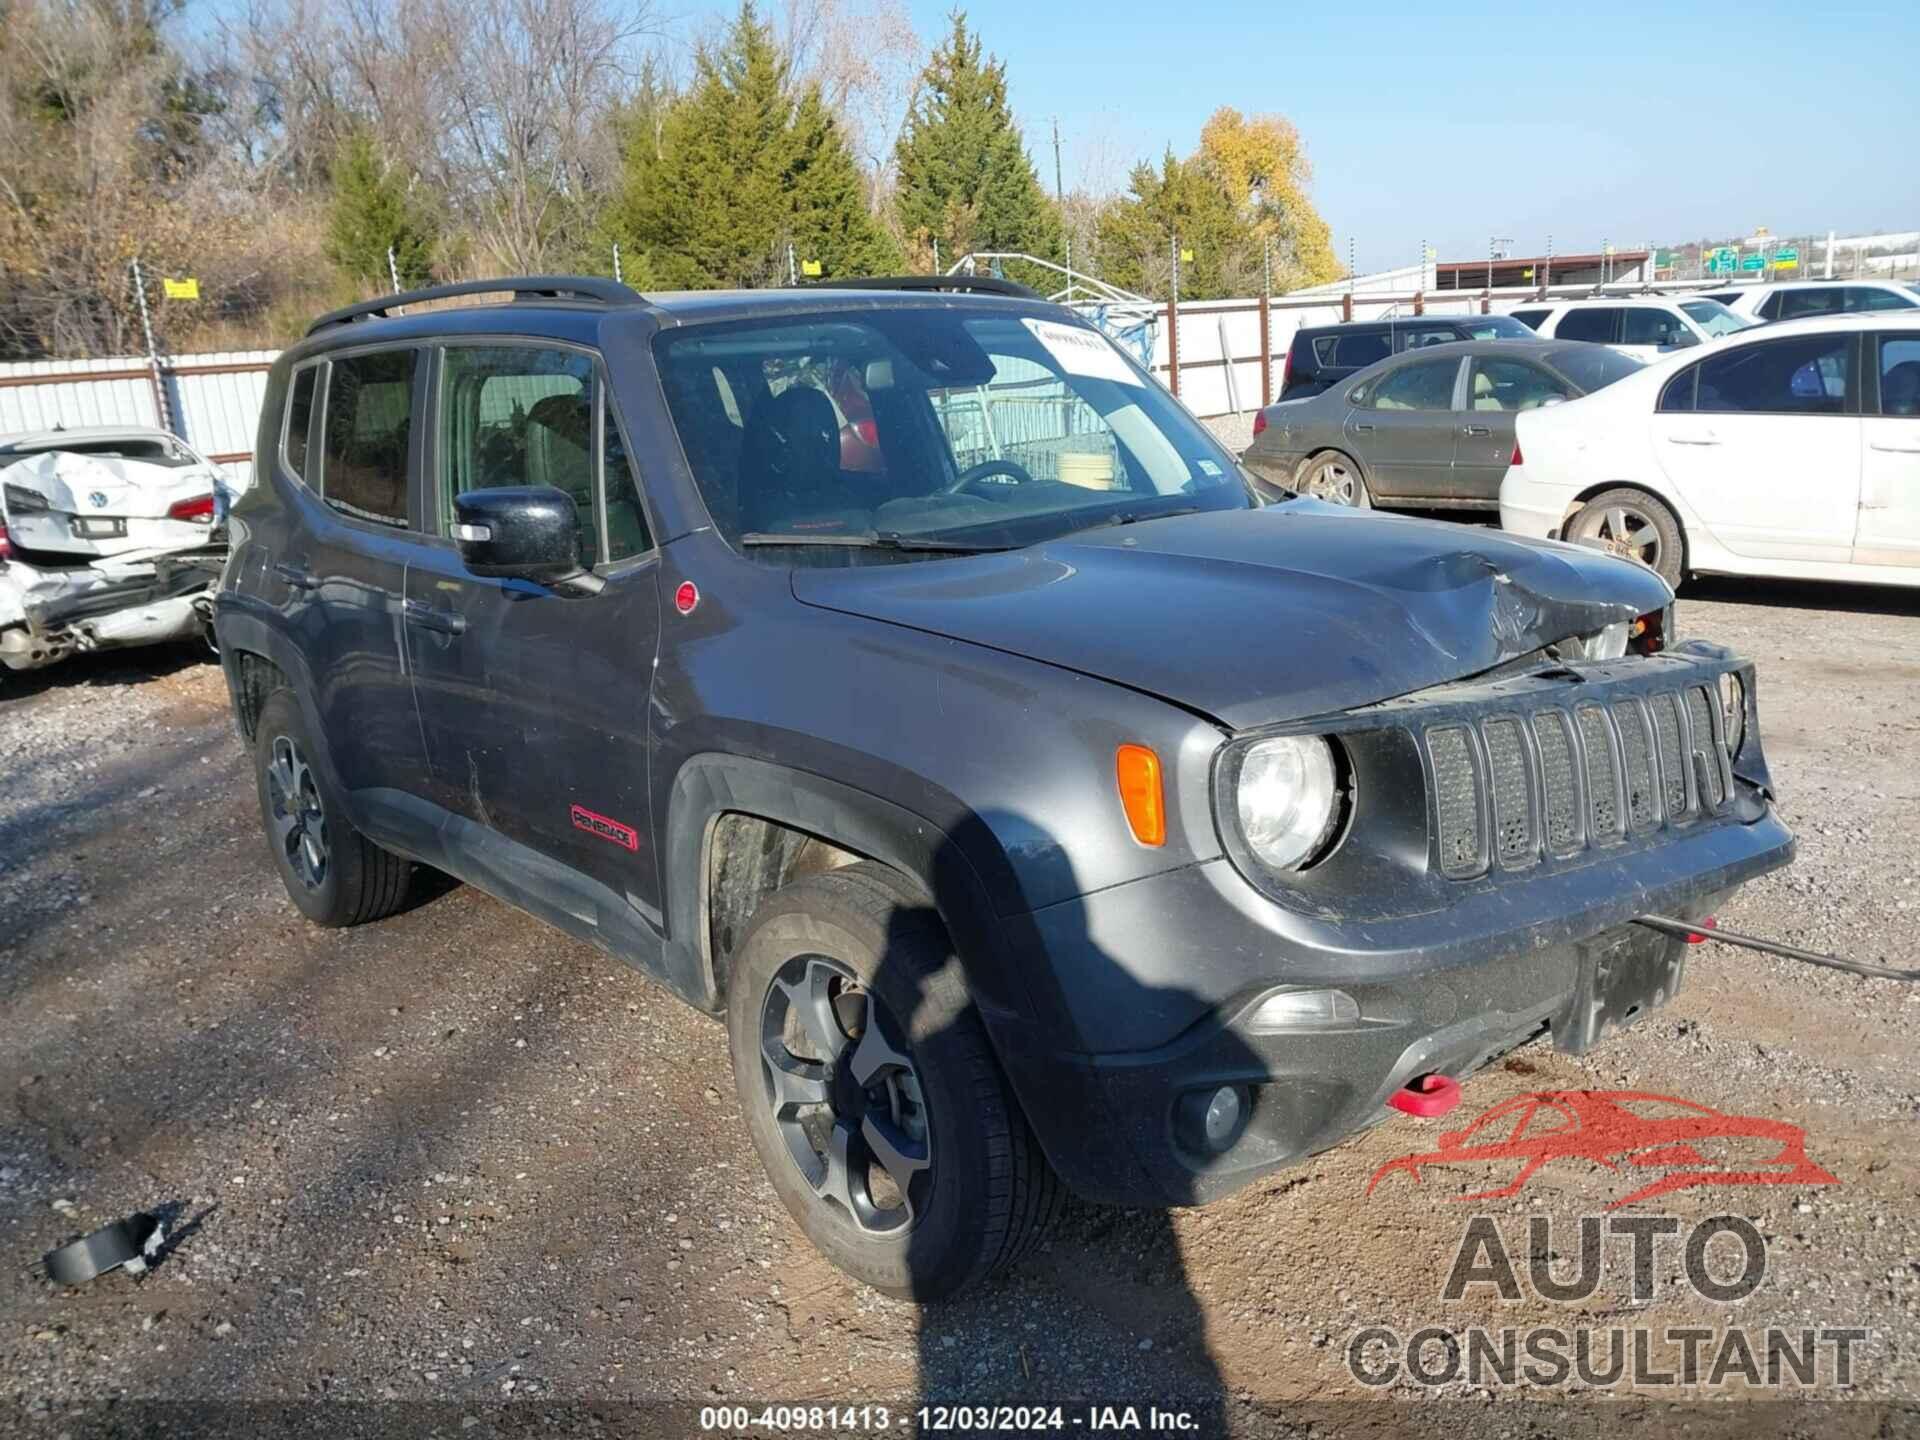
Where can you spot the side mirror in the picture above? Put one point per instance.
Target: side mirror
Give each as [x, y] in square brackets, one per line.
[1683, 340]
[518, 533]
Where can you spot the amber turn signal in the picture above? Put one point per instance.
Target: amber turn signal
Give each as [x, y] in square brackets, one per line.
[1141, 794]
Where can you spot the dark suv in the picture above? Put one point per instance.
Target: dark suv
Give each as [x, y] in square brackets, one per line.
[904, 676]
[1321, 356]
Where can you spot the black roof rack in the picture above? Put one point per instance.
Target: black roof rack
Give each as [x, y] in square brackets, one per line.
[959, 284]
[523, 288]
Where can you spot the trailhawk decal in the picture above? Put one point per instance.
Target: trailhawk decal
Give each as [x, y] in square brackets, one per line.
[593, 824]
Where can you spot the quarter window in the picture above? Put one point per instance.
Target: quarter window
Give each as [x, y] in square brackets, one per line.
[1598, 323]
[300, 418]
[1899, 377]
[626, 522]
[369, 425]
[1532, 319]
[1806, 375]
[1869, 297]
[1425, 385]
[1678, 394]
[518, 415]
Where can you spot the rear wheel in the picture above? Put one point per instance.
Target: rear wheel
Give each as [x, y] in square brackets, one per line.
[1635, 526]
[1334, 478]
[871, 1092]
[333, 874]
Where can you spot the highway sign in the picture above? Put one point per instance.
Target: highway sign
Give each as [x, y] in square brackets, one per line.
[1723, 260]
[1786, 259]
[1754, 262]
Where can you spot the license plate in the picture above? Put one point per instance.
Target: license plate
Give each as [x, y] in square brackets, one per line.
[1623, 974]
[89, 528]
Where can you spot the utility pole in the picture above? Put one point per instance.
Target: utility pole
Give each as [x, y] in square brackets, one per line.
[1173, 322]
[1060, 201]
[1546, 277]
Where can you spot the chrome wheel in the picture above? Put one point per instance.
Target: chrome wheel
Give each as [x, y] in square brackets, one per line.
[845, 1095]
[298, 821]
[1333, 480]
[1623, 530]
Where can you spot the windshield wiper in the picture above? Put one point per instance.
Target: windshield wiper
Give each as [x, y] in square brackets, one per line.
[881, 540]
[1134, 517]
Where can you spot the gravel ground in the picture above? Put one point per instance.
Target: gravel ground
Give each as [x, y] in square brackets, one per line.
[458, 1157]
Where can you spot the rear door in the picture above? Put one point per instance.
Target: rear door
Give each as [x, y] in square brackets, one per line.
[1498, 388]
[1889, 532]
[341, 576]
[1764, 442]
[1402, 427]
[533, 700]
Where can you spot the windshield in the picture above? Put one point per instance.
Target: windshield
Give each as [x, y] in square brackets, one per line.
[1592, 367]
[1497, 327]
[1713, 317]
[821, 438]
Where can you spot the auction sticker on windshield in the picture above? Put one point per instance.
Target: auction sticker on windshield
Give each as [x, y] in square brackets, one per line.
[1082, 352]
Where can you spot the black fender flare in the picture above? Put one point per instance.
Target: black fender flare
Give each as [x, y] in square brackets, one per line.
[238, 628]
[712, 784]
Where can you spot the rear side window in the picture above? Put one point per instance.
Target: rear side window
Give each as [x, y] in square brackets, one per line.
[1678, 394]
[300, 418]
[1899, 376]
[1427, 385]
[1532, 319]
[1416, 337]
[1769, 308]
[1645, 325]
[369, 425]
[1797, 304]
[1354, 350]
[1868, 297]
[1598, 323]
[1806, 375]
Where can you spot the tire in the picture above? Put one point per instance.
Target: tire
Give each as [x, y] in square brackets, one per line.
[1648, 531]
[334, 875]
[1335, 478]
[977, 1192]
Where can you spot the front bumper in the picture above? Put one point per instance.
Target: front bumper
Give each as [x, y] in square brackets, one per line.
[1439, 993]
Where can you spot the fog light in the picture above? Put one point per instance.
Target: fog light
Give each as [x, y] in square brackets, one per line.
[1213, 1119]
[1283, 1010]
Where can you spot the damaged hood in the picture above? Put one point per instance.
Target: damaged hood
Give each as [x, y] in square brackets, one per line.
[1259, 617]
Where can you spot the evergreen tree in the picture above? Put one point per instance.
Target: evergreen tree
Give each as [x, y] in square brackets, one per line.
[1184, 199]
[371, 212]
[744, 164]
[964, 177]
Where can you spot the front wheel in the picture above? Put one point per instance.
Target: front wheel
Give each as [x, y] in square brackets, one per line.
[871, 1092]
[1335, 478]
[1635, 526]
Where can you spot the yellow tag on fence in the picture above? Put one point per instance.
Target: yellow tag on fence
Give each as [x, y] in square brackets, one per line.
[187, 289]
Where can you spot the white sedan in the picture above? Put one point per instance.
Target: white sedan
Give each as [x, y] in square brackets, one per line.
[1790, 450]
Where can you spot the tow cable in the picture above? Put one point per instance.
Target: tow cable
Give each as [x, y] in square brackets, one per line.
[1695, 932]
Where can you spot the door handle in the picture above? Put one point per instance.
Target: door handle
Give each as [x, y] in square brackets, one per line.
[1475, 430]
[1360, 427]
[298, 578]
[427, 617]
[1694, 437]
[1897, 447]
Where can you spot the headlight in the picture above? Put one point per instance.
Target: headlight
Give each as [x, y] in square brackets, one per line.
[1733, 712]
[1287, 799]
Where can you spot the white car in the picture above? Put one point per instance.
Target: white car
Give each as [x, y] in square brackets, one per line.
[1802, 300]
[1790, 450]
[1646, 327]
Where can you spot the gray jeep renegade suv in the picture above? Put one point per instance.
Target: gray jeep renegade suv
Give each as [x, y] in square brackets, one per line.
[900, 673]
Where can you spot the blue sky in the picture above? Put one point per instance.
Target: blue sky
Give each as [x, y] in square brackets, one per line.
[1450, 123]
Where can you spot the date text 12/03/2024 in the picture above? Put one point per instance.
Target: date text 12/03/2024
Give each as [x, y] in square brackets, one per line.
[929, 1419]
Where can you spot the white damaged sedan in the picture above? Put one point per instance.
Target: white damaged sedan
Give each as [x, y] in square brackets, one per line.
[108, 537]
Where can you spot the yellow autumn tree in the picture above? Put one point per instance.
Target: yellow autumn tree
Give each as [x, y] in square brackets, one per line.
[1263, 164]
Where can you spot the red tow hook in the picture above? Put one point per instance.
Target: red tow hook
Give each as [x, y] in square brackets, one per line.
[1699, 937]
[1426, 1096]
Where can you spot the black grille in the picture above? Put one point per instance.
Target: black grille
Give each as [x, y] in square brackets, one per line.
[1457, 795]
[1556, 781]
[1512, 801]
[1643, 801]
[1603, 776]
[1705, 748]
[1560, 790]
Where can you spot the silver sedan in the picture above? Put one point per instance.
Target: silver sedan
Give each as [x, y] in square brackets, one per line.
[1428, 429]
